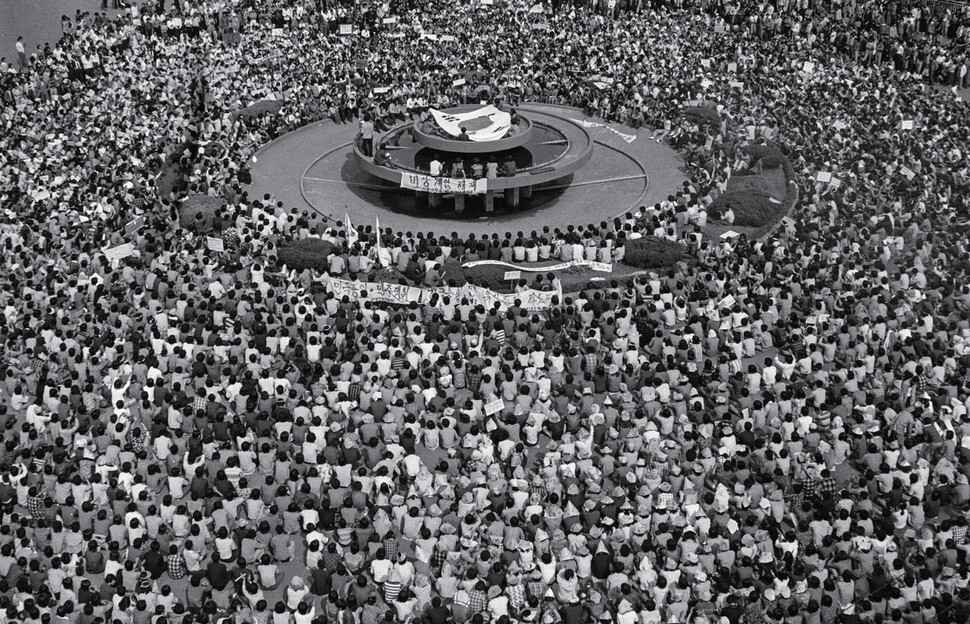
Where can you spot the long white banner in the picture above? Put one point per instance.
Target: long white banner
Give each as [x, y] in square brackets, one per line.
[431, 184]
[629, 138]
[398, 294]
[603, 267]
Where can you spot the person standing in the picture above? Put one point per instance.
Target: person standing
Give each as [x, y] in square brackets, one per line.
[367, 136]
[21, 54]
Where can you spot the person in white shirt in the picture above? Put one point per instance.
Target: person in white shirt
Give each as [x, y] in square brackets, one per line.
[21, 54]
[436, 166]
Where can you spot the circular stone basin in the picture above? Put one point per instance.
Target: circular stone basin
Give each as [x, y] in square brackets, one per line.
[522, 134]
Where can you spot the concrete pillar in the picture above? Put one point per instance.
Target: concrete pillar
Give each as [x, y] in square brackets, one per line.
[489, 201]
[434, 200]
[459, 203]
[512, 197]
[526, 193]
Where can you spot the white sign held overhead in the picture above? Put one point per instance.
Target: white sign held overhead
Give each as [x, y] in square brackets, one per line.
[215, 244]
[494, 407]
[512, 275]
[119, 252]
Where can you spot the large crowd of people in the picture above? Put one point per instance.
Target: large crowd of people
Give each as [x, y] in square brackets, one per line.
[774, 432]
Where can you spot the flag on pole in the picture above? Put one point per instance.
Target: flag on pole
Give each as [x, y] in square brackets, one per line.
[352, 235]
[383, 255]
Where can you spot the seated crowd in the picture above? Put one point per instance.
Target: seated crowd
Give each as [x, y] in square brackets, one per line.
[776, 431]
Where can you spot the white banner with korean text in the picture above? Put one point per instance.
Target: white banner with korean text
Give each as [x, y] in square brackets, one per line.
[400, 294]
[432, 184]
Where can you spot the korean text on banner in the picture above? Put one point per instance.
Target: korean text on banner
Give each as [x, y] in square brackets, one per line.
[431, 184]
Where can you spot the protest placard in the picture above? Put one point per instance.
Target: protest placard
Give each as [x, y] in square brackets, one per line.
[119, 252]
[215, 244]
[494, 407]
[134, 225]
[512, 275]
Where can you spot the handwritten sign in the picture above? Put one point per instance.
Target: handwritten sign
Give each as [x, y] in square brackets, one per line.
[397, 294]
[215, 244]
[458, 83]
[390, 20]
[726, 302]
[119, 252]
[448, 38]
[824, 177]
[808, 67]
[512, 275]
[494, 407]
[430, 184]
[134, 225]
[906, 171]
[346, 29]
[907, 124]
